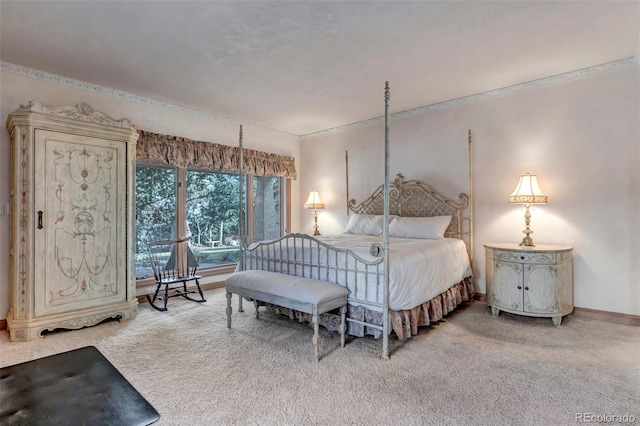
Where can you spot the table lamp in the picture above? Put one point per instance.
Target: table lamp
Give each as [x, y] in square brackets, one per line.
[314, 202]
[528, 192]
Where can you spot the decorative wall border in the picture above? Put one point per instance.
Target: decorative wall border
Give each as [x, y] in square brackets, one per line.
[120, 94]
[478, 97]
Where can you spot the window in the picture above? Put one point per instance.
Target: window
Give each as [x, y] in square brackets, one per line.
[266, 218]
[155, 211]
[211, 202]
[204, 209]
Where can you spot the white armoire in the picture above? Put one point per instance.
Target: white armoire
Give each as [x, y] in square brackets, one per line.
[71, 243]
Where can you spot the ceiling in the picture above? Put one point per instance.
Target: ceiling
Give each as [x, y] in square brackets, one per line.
[303, 67]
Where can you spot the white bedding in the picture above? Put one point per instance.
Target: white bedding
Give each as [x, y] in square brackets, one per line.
[420, 269]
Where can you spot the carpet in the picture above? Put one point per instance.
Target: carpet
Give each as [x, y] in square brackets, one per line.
[78, 387]
[469, 369]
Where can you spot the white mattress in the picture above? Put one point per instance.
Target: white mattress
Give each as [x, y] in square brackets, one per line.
[419, 269]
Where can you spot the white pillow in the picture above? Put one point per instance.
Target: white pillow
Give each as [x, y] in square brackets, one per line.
[419, 227]
[365, 224]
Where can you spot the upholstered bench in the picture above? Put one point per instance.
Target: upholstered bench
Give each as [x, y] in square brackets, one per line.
[314, 297]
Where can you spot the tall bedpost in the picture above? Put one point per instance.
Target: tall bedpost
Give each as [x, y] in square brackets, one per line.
[241, 201]
[470, 140]
[385, 233]
[346, 164]
[241, 210]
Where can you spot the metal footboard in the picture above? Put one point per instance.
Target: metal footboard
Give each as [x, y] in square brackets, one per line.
[305, 256]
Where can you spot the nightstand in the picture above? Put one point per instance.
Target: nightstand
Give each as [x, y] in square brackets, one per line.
[533, 281]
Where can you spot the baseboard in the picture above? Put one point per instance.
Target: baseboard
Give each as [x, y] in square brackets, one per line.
[615, 317]
[607, 316]
[480, 297]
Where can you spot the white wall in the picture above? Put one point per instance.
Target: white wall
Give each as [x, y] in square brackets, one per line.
[582, 139]
[18, 89]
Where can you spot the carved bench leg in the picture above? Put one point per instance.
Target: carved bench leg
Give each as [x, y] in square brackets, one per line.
[343, 324]
[229, 310]
[240, 304]
[255, 303]
[316, 336]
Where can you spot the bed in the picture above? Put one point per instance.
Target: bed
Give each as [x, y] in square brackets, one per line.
[406, 251]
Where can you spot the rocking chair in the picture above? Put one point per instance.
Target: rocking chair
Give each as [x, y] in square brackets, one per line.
[174, 265]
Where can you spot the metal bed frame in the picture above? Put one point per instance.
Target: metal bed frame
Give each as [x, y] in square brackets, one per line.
[306, 256]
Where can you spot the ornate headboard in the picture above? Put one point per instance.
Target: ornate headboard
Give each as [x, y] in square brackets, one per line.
[413, 198]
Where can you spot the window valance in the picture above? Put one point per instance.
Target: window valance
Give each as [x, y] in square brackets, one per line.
[154, 148]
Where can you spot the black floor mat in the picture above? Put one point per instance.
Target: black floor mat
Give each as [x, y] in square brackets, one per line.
[79, 387]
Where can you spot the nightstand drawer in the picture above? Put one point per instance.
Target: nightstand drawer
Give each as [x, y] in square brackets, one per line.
[536, 258]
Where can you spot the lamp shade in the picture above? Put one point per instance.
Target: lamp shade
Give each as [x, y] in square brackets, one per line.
[314, 202]
[528, 191]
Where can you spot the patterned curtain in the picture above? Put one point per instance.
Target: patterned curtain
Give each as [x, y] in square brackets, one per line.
[154, 148]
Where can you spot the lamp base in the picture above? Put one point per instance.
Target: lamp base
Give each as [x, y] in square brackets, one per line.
[527, 241]
[315, 223]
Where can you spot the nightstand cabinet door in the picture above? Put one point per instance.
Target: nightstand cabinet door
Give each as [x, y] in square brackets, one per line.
[507, 285]
[532, 281]
[541, 290]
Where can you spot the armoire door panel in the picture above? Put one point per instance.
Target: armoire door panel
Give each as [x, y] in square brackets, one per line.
[79, 247]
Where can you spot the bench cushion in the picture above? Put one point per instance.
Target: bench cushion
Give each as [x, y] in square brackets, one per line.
[305, 290]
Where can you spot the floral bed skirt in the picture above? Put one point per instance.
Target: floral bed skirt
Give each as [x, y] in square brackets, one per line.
[404, 323]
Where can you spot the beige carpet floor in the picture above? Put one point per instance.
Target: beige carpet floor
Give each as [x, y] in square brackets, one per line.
[470, 368]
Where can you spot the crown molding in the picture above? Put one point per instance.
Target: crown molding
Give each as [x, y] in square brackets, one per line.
[131, 97]
[478, 97]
